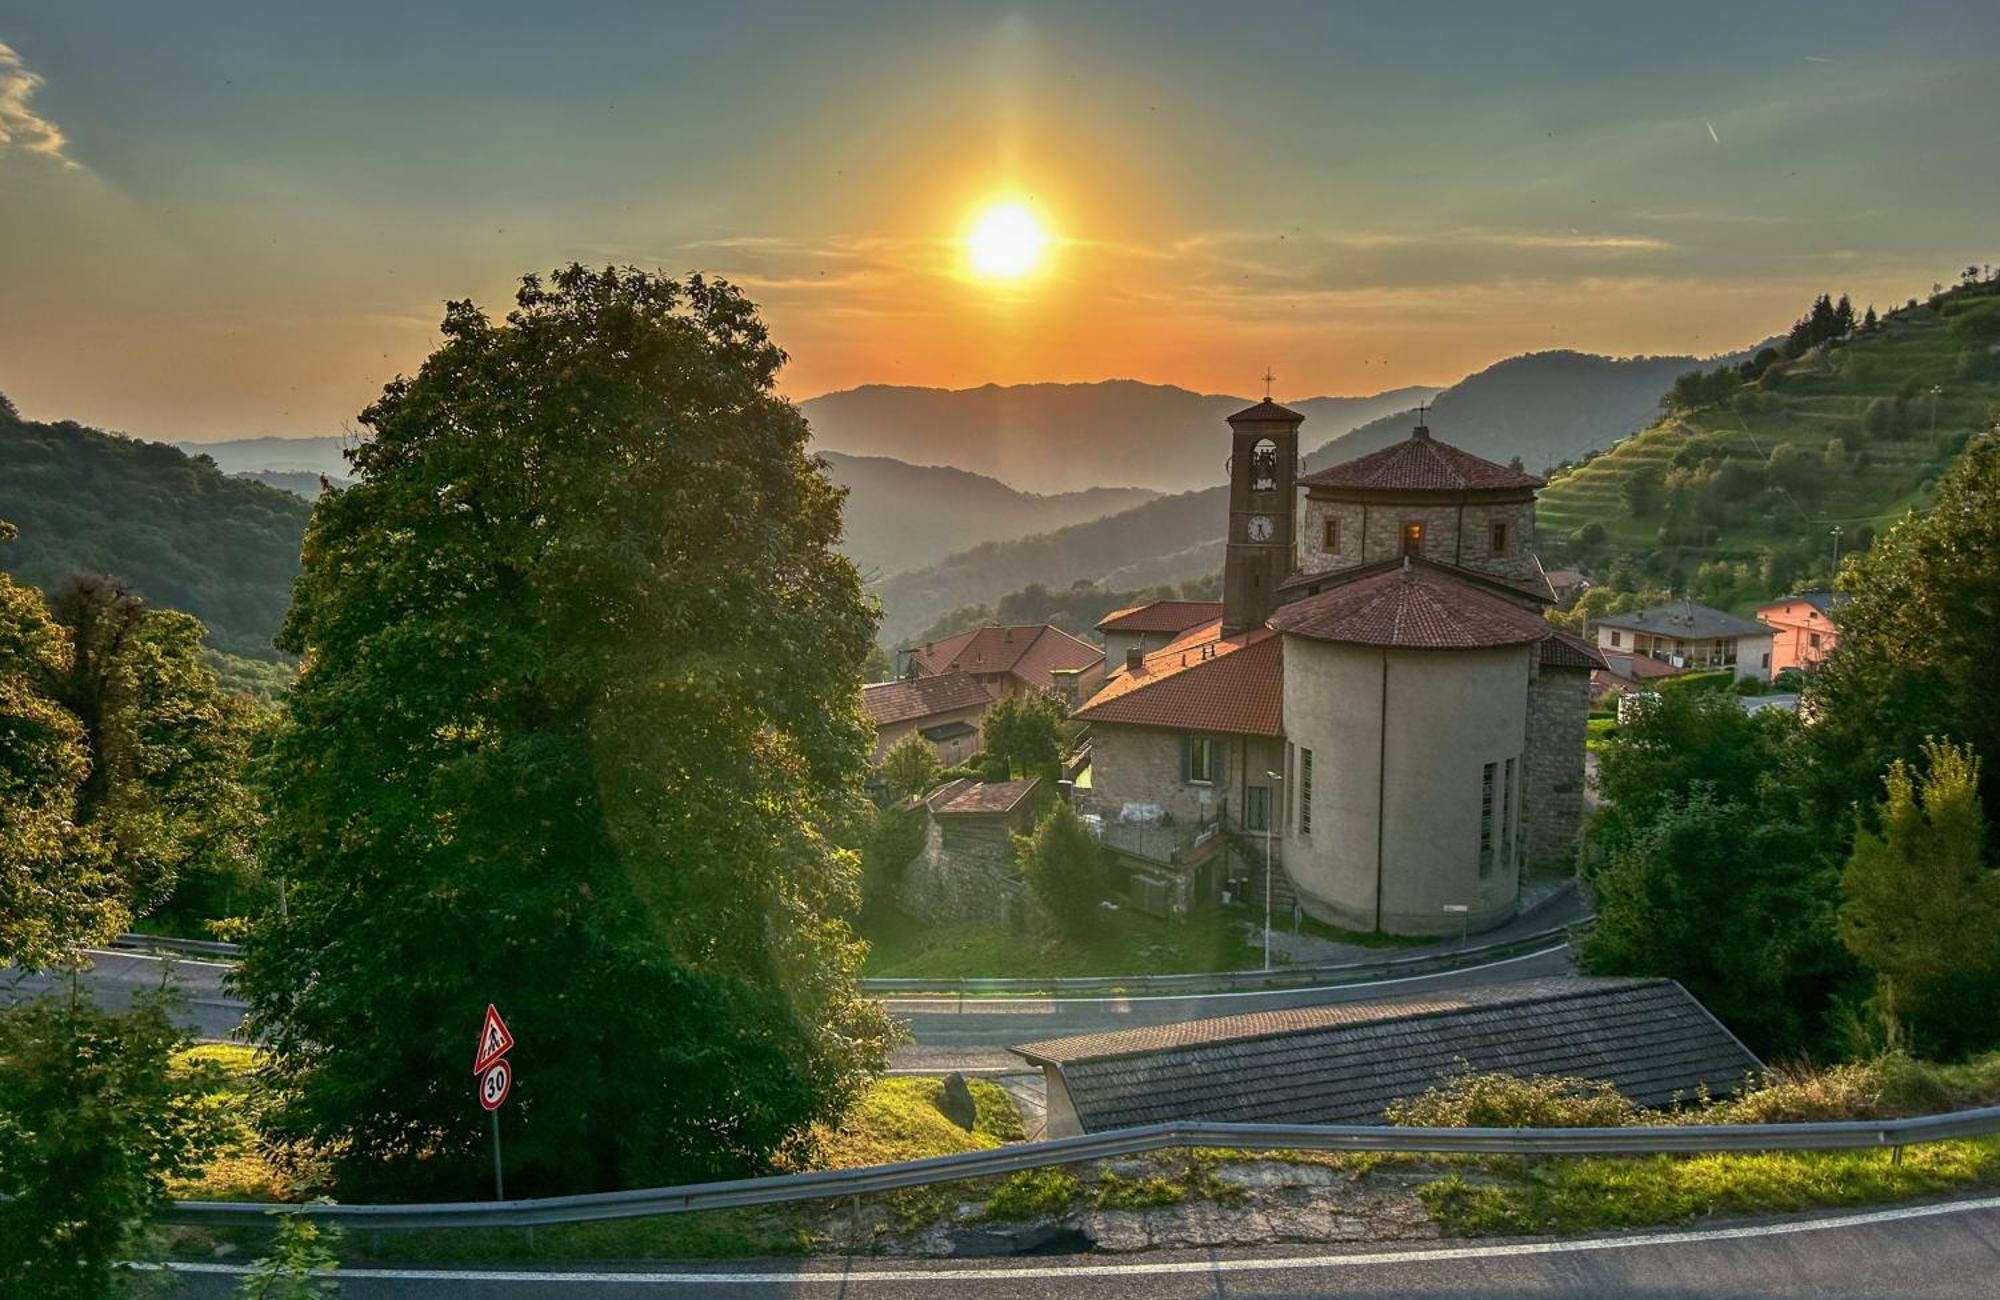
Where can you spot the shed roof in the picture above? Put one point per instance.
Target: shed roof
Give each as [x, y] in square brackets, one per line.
[1684, 618]
[1345, 1063]
[1561, 650]
[967, 797]
[1420, 463]
[921, 697]
[1417, 606]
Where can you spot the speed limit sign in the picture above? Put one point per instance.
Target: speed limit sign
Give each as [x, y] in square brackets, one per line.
[494, 1084]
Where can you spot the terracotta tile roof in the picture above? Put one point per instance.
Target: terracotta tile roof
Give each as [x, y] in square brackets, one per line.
[1266, 411]
[1823, 601]
[921, 697]
[1029, 651]
[1202, 681]
[1420, 463]
[1561, 650]
[1416, 606]
[968, 797]
[1347, 1062]
[1635, 666]
[1161, 616]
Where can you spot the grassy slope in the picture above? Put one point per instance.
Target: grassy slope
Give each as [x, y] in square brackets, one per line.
[1125, 943]
[1813, 402]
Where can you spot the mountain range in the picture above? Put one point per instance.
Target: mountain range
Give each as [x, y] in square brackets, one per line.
[1065, 437]
[1544, 407]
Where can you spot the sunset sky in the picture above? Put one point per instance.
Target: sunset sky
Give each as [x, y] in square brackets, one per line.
[224, 220]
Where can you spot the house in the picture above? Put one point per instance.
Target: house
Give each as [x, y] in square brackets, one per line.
[1379, 708]
[1130, 633]
[1802, 626]
[1568, 582]
[1686, 635]
[1347, 1062]
[1628, 672]
[943, 710]
[1012, 660]
[966, 870]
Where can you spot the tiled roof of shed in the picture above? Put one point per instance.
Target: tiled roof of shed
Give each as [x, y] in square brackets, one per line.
[1417, 606]
[1561, 650]
[921, 697]
[1030, 651]
[1420, 463]
[969, 796]
[1344, 1063]
[1201, 681]
[1161, 616]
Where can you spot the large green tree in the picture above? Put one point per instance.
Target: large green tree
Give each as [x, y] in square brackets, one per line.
[56, 886]
[1917, 638]
[1023, 736]
[1063, 864]
[577, 726]
[1919, 904]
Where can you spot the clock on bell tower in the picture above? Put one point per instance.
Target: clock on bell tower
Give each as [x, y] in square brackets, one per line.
[1263, 465]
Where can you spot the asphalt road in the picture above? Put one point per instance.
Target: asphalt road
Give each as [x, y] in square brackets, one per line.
[1938, 1252]
[948, 1033]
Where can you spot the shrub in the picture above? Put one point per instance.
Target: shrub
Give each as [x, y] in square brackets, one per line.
[1033, 1194]
[1064, 867]
[1505, 1101]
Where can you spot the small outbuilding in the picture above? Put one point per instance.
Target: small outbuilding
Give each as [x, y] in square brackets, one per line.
[1345, 1063]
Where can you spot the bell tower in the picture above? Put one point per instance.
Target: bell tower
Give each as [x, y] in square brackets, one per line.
[1263, 464]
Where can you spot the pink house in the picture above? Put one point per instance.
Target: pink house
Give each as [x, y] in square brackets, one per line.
[1803, 628]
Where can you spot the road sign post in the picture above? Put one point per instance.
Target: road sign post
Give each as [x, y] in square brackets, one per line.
[496, 1080]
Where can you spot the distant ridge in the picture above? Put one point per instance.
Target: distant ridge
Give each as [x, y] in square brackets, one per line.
[1065, 437]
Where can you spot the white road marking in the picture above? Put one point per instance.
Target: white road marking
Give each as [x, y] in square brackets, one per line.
[931, 1272]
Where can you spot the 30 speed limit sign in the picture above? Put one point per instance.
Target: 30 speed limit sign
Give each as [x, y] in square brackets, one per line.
[493, 1085]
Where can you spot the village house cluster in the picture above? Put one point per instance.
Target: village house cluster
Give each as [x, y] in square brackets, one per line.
[1377, 710]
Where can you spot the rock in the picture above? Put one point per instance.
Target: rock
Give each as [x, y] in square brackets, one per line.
[955, 1102]
[1263, 1175]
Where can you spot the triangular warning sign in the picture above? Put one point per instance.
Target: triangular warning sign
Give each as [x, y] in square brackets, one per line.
[494, 1040]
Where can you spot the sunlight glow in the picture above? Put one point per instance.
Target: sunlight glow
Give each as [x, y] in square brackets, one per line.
[1006, 242]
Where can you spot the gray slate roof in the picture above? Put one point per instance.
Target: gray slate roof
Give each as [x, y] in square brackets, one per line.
[1344, 1063]
[1685, 620]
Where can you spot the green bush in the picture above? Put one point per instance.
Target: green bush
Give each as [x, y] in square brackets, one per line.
[1033, 1194]
[1505, 1101]
[1719, 679]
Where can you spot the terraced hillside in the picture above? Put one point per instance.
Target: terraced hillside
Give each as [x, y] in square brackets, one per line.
[1737, 499]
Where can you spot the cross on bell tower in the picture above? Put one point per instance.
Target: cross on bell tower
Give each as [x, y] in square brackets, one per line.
[1268, 377]
[1423, 429]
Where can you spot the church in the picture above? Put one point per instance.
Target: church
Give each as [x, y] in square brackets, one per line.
[1377, 707]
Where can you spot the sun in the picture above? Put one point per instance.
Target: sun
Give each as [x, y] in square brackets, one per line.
[1006, 242]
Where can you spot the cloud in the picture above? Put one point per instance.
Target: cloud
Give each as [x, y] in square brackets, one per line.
[20, 126]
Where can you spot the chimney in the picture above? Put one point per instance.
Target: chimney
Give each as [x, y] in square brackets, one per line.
[1134, 657]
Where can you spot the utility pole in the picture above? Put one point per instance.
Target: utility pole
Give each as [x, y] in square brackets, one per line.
[1835, 530]
[1936, 392]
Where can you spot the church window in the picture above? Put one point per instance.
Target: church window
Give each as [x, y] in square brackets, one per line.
[1497, 536]
[1333, 536]
[1413, 537]
[1257, 808]
[1305, 791]
[1264, 466]
[1486, 819]
[1198, 763]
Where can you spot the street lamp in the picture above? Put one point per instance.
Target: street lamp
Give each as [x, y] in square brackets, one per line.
[1270, 833]
[1937, 391]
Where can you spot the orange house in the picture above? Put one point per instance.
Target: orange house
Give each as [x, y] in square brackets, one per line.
[1802, 627]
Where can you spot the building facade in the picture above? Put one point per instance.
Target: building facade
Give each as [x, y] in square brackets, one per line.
[1684, 635]
[1802, 629]
[1397, 727]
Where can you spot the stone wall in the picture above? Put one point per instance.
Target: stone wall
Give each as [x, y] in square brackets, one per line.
[1552, 803]
[1372, 530]
[964, 877]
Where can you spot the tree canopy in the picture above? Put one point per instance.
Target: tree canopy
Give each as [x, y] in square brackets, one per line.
[578, 723]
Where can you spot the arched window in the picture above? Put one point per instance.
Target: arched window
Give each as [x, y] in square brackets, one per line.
[1264, 466]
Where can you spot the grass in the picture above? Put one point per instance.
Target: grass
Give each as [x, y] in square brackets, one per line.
[240, 1171]
[1363, 938]
[1598, 733]
[1125, 942]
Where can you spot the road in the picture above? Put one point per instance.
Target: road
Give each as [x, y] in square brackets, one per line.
[948, 1033]
[1938, 1252]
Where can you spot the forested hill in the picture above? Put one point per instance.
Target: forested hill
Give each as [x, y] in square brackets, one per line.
[1733, 496]
[182, 532]
[1543, 407]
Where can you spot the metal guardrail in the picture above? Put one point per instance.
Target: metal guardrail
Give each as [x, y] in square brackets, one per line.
[1278, 977]
[184, 947]
[828, 1184]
